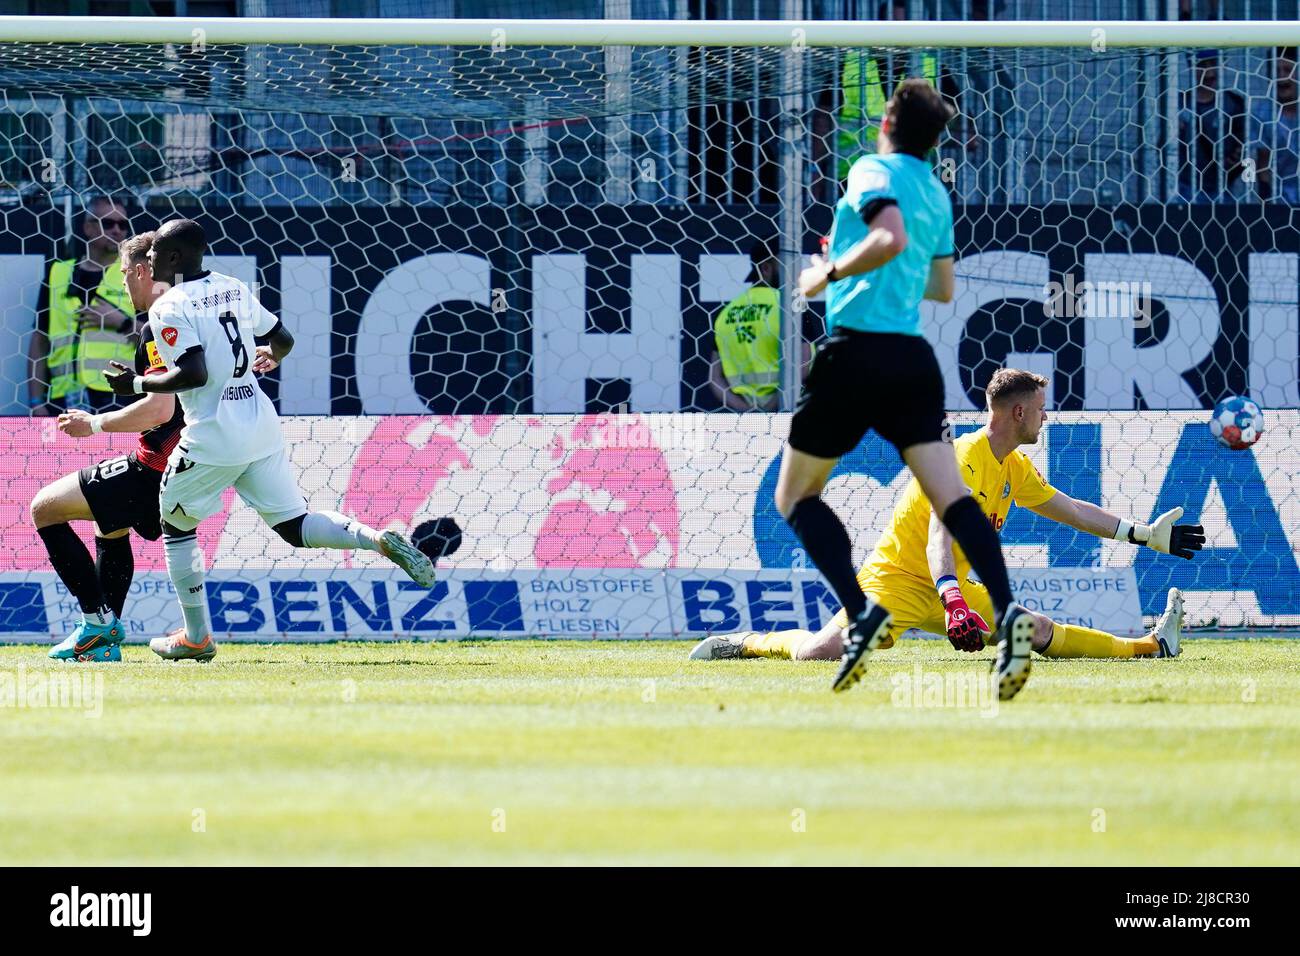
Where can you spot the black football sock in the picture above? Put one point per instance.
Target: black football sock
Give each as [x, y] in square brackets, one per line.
[71, 561]
[827, 543]
[114, 566]
[971, 529]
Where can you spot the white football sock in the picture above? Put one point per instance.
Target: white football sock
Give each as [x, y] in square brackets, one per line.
[101, 618]
[185, 568]
[329, 529]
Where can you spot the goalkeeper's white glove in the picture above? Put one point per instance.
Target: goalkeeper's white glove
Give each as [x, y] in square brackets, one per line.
[1180, 540]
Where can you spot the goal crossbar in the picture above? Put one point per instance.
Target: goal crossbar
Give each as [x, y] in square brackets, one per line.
[1086, 34]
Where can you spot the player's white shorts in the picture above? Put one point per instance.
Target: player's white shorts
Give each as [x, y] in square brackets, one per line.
[191, 491]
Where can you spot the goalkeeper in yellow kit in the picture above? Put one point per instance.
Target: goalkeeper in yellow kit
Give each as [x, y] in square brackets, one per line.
[919, 573]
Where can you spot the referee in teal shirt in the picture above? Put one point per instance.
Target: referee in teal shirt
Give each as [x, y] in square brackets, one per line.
[891, 246]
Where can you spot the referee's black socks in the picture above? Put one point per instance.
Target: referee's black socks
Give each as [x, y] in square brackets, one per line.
[971, 529]
[827, 543]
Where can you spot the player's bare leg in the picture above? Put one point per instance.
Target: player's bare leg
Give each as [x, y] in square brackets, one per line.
[826, 645]
[59, 502]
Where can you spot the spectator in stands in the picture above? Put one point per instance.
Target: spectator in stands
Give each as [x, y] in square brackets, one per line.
[1210, 121]
[1277, 135]
[745, 367]
[83, 319]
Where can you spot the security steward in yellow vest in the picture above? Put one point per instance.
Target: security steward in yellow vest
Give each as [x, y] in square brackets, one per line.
[84, 320]
[745, 368]
[864, 99]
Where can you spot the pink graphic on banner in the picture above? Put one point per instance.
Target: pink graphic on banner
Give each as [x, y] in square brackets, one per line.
[609, 497]
[401, 464]
[614, 503]
[34, 453]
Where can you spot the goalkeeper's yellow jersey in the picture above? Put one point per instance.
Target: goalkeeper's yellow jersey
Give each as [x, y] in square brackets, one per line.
[994, 485]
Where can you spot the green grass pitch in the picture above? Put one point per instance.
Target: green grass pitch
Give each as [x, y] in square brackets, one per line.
[537, 752]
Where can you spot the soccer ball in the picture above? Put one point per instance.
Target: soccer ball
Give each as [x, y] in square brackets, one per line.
[1237, 423]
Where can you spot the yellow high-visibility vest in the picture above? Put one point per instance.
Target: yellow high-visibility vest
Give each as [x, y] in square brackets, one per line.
[748, 336]
[862, 86]
[77, 358]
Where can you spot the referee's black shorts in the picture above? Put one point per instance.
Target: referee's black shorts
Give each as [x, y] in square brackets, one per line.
[864, 380]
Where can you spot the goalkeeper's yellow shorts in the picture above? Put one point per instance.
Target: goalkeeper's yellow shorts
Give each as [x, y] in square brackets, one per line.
[914, 603]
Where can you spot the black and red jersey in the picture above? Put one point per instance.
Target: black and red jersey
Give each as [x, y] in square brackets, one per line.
[157, 443]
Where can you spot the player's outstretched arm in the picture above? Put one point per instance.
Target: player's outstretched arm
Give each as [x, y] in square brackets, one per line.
[190, 371]
[1080, 515]
[1180, 540]
[150, 412]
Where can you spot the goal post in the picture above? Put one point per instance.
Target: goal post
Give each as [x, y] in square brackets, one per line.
[511, 252]
[700, 33]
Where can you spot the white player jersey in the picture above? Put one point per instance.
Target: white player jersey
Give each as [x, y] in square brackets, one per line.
[228, 421]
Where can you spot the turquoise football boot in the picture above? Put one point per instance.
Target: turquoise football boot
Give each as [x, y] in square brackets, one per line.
[86, 637]
[65, 650]
[104, 654]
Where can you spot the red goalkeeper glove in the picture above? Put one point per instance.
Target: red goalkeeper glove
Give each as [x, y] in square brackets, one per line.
[965, 627]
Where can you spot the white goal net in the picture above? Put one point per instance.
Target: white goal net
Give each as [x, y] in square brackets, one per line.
[507, 253]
